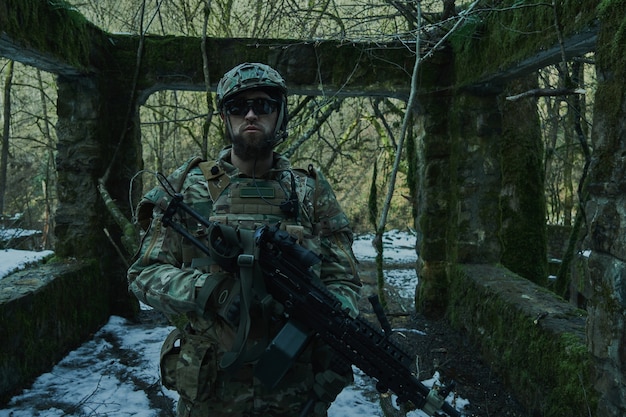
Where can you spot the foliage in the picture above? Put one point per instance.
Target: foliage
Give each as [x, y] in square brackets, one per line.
[330, 19]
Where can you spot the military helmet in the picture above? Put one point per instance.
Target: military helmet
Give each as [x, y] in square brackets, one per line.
[248, 76]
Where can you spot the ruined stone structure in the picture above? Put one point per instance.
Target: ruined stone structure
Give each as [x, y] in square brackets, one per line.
[479, 194]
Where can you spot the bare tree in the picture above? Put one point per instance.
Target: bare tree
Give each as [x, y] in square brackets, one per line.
[4, 156]
[48, 182]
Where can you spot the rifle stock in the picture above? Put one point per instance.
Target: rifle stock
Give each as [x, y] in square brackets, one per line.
[313, 309]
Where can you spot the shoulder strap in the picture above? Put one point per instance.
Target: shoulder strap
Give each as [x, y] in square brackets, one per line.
[196, 160]
[159, 197]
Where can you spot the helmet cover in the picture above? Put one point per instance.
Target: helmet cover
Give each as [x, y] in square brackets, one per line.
[248, 76]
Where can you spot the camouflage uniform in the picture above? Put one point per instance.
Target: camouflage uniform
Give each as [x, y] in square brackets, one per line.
[174, 277]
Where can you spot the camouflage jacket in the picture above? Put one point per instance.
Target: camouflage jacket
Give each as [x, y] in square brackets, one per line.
[169, 273]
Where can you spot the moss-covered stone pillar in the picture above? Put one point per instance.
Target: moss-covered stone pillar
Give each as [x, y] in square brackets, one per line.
[433, 213]
[433, 193]
[97, 132]
[522, 195]
[605, 213]
[475, 220]
[481, 198]
[80, 210]
[499, 213]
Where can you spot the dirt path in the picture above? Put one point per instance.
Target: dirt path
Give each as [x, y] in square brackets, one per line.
[438, 347]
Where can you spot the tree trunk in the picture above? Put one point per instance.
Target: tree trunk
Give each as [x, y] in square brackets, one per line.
[4, 157]
[49, 181]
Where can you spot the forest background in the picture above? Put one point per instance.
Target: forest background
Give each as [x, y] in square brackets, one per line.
[353, 140]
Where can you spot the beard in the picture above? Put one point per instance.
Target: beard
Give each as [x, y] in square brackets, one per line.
[251, 149]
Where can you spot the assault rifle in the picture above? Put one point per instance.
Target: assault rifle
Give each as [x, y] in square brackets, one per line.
[312, 309]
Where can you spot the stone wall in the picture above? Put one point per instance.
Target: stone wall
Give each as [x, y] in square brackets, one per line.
[605, 212]
[98, 146]
[45, 312]
[534, 340]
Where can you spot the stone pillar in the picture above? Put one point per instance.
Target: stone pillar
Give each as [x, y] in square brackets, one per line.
[97, 131]
[522, 193]
[78, 217]
[432, 195]
[481, 197]
[605, 213]
[478, 177]
[432, 224]
[498, 173]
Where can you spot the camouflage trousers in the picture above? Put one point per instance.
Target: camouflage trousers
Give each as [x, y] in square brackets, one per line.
[242, 395]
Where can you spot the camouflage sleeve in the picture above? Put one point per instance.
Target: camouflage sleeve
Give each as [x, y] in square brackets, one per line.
[158, 278]
[339, 266]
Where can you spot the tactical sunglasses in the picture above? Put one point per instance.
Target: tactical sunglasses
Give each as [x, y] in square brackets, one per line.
[241, 107]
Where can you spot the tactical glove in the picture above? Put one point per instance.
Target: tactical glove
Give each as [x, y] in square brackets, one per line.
[331, 373]
[328, 384]
[348, 298]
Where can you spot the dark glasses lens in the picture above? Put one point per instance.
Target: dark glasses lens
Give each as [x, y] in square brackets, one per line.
[241, 107]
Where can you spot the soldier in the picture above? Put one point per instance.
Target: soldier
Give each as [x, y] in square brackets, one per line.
[211, 361]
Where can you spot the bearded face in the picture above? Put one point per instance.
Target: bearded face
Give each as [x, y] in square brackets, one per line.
[249, 149]
[251, 120]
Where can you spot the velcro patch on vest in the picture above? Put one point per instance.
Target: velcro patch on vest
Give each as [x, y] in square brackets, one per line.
[256, 192]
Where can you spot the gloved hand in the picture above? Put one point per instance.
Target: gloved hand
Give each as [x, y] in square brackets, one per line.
[328, 384]
[347, 297]
[331, 373]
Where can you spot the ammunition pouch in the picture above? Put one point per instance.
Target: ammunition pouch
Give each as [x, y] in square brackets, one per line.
[170, 350]
[189, 365]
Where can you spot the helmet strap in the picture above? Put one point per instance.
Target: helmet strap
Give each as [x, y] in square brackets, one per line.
[280, 132]
[229, 127]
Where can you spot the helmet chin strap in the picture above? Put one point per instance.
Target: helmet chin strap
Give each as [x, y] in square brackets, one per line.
[229, 127]
[279, 133]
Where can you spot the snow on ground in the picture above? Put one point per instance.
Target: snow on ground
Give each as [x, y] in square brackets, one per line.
[12, 260]
[111, 374]
[398, 246]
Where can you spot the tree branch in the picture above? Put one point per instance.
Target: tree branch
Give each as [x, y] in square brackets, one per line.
[547, 92]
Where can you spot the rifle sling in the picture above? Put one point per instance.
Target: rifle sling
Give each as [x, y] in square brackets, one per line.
[249, 274]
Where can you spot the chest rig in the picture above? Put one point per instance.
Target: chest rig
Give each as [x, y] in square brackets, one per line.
[245, 204]
[250, 203]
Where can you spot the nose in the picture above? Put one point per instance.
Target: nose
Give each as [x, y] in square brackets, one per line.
[251, 115]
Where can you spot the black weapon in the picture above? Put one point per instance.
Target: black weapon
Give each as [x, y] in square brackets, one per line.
[312, 309]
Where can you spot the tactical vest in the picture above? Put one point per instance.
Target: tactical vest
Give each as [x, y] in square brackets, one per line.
[242, 202]
[250, 203]
[246, 204]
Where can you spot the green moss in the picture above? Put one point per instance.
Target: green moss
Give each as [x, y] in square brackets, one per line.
[550, 372]
[499, 37]
[54, 28]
